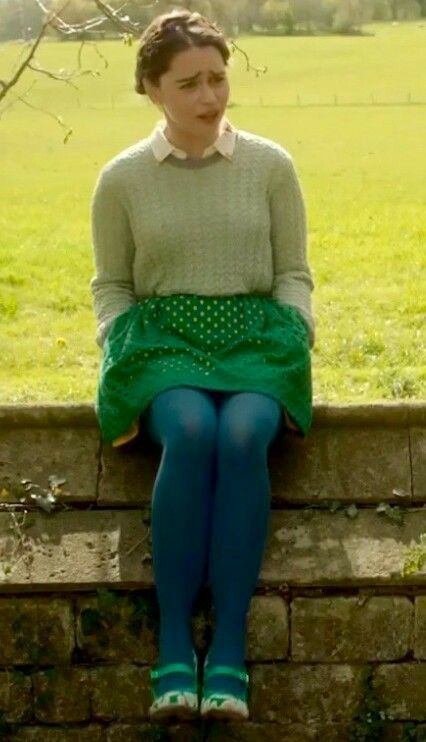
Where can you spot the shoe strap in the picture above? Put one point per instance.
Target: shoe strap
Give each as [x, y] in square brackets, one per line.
[170, 668]
[226, 670]
[212, 695]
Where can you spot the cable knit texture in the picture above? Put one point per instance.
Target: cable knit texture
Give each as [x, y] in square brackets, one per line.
[209, 226]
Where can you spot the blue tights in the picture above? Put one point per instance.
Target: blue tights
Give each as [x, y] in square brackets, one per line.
[210, 511]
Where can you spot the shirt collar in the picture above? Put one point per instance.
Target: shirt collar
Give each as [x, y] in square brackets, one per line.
[224, 143]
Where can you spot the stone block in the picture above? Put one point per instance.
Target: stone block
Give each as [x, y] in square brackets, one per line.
[128, 473]
[305, 694]
[396, 732]
[251, 732]
[89, 733]
[117, 628]
[318, 470]
[131, 696]
[37, 453]
[149, 732]
[402, 690]
[421, 733]
[340, 629]
[267, 628]
[85, 549]
[36, 630]
[16, 700]
[418, 454]
[420, 627]
[348, 464]
[76, 549]
[62, 694]
[308, 547]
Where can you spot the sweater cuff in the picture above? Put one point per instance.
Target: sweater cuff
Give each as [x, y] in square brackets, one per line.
[102, 332]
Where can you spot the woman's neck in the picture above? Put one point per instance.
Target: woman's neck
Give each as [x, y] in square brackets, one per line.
[194, 148]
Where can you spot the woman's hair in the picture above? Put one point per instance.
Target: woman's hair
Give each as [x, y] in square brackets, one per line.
[169, 34]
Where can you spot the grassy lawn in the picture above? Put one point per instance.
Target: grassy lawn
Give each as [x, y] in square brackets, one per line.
[361, 162]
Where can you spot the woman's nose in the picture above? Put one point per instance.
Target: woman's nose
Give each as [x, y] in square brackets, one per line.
[207, 94]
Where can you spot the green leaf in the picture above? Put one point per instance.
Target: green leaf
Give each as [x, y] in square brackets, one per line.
[334, 505]
[382, 507]
[55, 481]
[395, 513]
[351, 511]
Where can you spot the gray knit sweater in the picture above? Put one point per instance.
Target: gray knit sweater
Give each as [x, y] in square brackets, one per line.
[201, 226]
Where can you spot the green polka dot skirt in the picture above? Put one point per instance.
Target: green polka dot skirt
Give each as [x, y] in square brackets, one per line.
[242, 342]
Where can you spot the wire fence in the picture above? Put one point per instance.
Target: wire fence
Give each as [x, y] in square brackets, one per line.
[306, 101]
[126, 100]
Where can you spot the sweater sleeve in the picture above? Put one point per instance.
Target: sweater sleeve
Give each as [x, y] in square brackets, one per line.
[293, 281]
[113, 248]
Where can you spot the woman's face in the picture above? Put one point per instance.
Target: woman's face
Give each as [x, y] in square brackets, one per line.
[195, 84]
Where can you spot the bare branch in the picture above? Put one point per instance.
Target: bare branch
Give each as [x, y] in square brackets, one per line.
[49, 113]
[80, 51]
[52, 75]
[108, 14]
[68, 28]
[9, 105]
[249, 66]
[33, 47]
[122, 22]
[52, 18]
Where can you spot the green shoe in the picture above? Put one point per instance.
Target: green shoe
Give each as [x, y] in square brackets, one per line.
[182, 704]
[215, 705]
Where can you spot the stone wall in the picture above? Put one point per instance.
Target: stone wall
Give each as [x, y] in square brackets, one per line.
[336, 639]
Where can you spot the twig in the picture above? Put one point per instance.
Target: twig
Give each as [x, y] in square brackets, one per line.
[6, 86]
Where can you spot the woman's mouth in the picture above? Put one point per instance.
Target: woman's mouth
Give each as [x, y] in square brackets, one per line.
[209, 118]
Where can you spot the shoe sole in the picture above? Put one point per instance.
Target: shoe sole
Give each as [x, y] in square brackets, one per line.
[223, 713]
[185, 709]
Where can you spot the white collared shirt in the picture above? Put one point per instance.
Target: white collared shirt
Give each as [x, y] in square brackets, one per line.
[224, 143]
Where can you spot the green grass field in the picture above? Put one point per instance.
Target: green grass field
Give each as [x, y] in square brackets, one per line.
[362, 165]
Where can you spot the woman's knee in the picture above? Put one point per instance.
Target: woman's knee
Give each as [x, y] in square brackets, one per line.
[183, 417]
[248, 422]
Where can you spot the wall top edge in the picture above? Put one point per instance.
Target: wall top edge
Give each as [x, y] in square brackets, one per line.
[395, 414]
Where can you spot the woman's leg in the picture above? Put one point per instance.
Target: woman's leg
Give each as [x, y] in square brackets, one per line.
[247, 424]
[184, 421]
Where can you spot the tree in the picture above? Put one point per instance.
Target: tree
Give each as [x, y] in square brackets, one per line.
[306, 13]
[125, 27]
[276, 13]
[404, 9]
[348, 16]
[19, 19]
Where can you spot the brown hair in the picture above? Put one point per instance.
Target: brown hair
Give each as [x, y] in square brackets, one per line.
[169, 34]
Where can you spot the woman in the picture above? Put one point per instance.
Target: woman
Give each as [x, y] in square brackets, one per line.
[202, 298]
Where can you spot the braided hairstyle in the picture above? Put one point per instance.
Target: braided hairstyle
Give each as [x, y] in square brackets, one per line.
[169, 34]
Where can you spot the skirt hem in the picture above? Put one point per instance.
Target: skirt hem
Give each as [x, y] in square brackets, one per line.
[303, 426]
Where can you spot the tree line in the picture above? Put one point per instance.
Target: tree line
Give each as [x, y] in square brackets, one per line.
[22, 19]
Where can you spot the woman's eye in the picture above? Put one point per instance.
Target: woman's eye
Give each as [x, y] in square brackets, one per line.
[191, 84]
